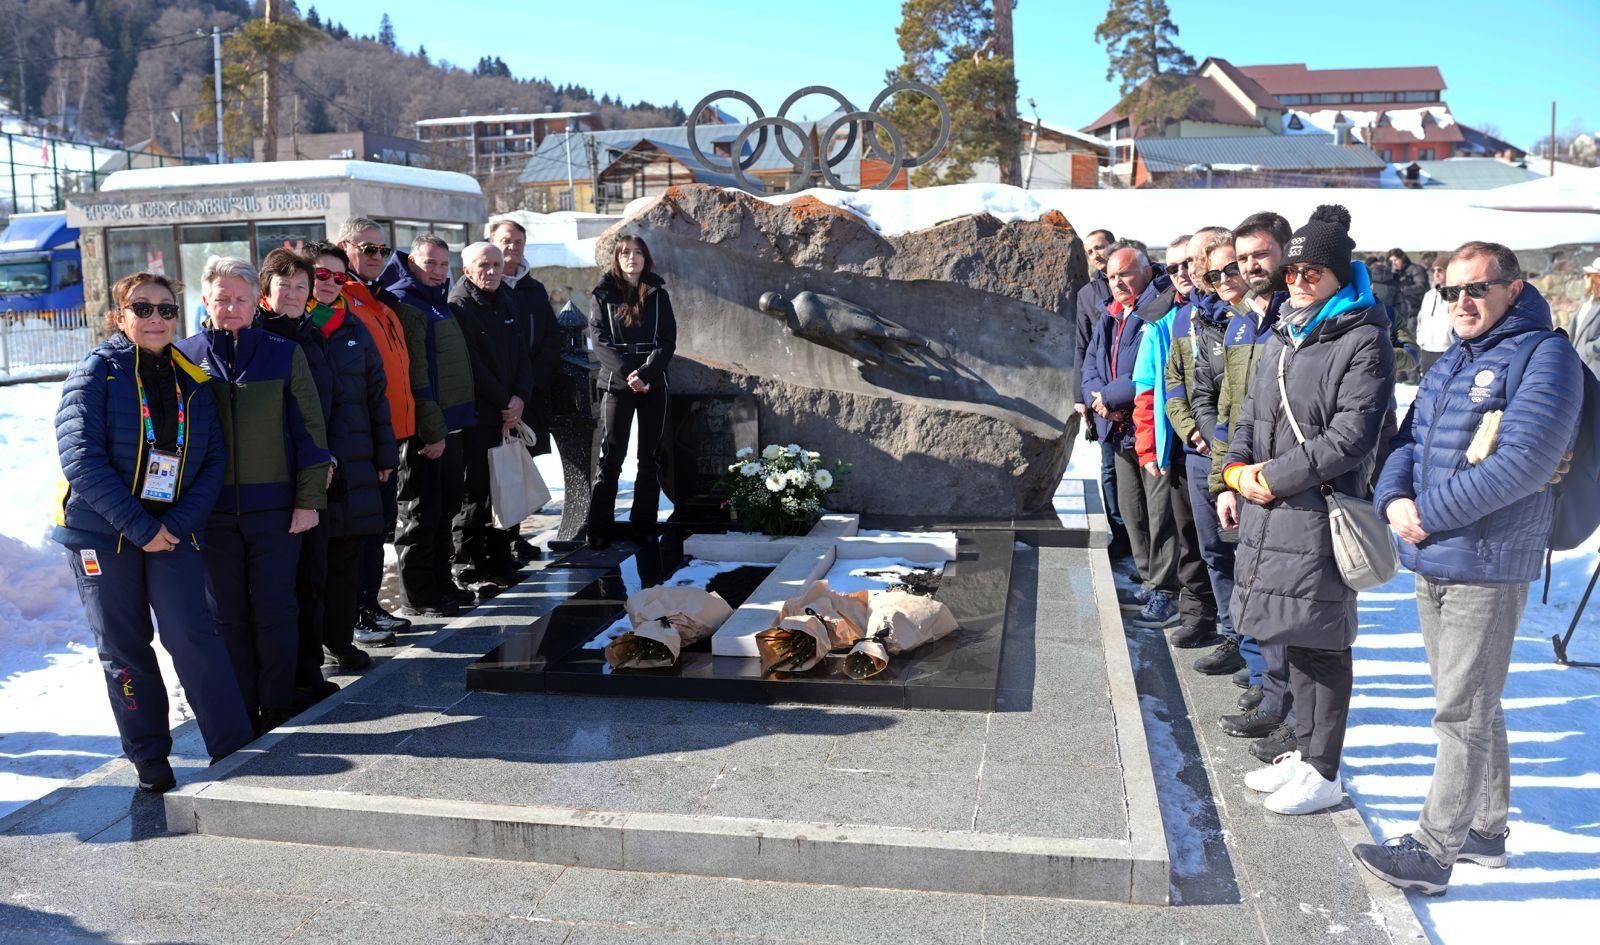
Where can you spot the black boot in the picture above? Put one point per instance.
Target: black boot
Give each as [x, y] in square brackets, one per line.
[384, 620]
[1251, 698]
[1253, 723]
[155, 775]
[1223, 660]
[1278, 742]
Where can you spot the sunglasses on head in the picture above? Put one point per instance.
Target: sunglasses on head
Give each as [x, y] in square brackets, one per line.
[1476, 290]
[1214, 277]
[1311, 274]
[339, 278]
[372, 249]
[142, 310]
[1177, 267]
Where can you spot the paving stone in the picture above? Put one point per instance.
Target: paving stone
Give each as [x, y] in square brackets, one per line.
[1026, 738]
[926, 800]
[355, 728]
[636, 935]
[356, 923]
[891, 752]
[1020, 921]
[432, 682]
[1078, 668]
[781, 910]
[1053, 801]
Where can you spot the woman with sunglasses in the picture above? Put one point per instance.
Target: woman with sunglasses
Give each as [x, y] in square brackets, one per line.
[1332, 360]
[143, 457]
[361, 436]
[273, 492]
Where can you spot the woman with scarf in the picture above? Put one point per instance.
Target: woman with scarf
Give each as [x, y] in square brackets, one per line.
[1333, 354]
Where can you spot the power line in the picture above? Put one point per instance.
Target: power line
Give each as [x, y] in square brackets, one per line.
[189, 38]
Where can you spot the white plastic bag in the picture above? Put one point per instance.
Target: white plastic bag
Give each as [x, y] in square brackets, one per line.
[516, 490]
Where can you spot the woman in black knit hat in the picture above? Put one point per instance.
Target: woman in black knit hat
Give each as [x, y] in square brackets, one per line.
[1333, 350]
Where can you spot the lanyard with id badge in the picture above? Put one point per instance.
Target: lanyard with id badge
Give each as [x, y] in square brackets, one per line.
[161, 467]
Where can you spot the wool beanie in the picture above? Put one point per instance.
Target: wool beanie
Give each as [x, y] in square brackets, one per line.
[1324, 241]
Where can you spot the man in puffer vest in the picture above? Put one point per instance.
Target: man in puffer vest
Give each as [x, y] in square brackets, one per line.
[1466, 492]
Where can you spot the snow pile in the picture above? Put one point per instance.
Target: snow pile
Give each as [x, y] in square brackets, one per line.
[1408, 120]
[39, 607]
[278, 172]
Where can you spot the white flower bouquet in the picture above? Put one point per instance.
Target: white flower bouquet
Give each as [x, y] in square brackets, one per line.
[781, 490]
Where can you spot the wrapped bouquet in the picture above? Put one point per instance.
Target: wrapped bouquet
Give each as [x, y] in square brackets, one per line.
[810, 625]
[900, 622]
[665, 620]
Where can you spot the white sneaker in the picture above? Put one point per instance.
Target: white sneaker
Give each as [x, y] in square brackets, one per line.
[1308, 793]
[1283, 769]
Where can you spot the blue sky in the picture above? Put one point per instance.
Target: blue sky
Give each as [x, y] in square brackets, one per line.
[1503, 62]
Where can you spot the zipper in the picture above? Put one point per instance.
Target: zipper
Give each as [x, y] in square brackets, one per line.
[1272, 433]
[1433, 421]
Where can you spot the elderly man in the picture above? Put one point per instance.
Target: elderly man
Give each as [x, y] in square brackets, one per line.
[502, 375]
[1138, 295]
[431, 472]
[1090, 303]
[531, 303]
[1470, 504]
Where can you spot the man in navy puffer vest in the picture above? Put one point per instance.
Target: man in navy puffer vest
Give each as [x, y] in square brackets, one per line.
[1472, 508]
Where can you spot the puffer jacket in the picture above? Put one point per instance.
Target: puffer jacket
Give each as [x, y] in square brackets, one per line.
[1153, 435]
[498, 340]
[383, 325]
[100, 440]
[1247, 334]
[1091, 306]
[271, 418]
[622, 349]
[449, 365]
[429, 421]
[360, 435]
[1108, 363]
[1194, 368]
[1340, 379]
[1486, 523]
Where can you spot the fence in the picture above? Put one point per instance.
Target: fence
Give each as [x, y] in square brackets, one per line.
[36, 173]
[38, 342]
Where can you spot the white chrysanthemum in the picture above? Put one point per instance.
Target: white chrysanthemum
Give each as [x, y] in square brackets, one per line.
[750, 469]
[794, 449]
[775, 482]
[823, 479]
[797, 476]
[813, 456]
[773, 451]
[745, 452]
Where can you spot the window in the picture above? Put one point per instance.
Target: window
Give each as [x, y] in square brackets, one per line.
[196, 245]
[286, 235]
[70, 274]
[1388, 156]
[1426, 154]
[1419, 96]
[564, 200]
[141, 249]
[24, 277]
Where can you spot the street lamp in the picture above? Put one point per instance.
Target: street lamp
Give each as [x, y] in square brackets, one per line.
[177, 117]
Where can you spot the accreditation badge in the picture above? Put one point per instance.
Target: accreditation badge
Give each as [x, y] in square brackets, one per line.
[160, 477]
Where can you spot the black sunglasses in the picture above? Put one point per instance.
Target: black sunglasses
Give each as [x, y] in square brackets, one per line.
[143, 310]
[1476, 290]
[1174, 268]
[373, 249]
[1214, 277]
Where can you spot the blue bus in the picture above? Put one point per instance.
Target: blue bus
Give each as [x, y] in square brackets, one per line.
[41, 270]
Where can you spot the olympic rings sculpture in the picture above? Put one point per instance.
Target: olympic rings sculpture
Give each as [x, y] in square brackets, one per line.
[806, 163]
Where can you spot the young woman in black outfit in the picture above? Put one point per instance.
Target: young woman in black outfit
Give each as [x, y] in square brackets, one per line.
[634, 336]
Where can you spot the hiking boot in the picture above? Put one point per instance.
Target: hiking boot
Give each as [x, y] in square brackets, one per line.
[1308, 793]
[1253, 723]
[353, 660]
[1241, 677]
[1406, 863]
[1268, 780]
[1223, 659]
[155, 776]
[1251, 698]
[1484, 850]
[368, 634]
[1275, 743]
[1132, 601]
[1189, 637]
[1158, 612]
[383, 620]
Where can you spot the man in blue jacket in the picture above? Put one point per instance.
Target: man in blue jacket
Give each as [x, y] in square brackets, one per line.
[1472, 508]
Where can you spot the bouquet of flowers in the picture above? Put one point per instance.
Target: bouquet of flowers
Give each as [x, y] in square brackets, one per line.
[665, 620]
[781, 491]
[810, 625]
[900, 622]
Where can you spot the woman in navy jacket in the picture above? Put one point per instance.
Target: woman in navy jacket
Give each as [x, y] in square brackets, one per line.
[143, 455]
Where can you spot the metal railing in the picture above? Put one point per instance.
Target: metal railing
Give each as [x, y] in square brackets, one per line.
[36, 173]
[37, 341]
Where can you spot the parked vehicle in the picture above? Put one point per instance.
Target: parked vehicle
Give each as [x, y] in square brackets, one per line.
[41, 270]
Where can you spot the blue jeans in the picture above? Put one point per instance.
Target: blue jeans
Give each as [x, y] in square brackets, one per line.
[1108, 484]
[1218, 555]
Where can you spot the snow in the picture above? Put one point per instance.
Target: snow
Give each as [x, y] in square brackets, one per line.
[275, 172]
[694, 574]
[874, 575]
[1578, 192]
[1408, 120]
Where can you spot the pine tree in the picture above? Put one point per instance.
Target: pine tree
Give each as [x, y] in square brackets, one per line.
[422, 52]
[313, 18]
[244, 60]
[940, 41]
[386, 33]
[1138, 36]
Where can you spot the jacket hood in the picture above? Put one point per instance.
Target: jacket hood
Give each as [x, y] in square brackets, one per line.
[1156, 300]
[397, 278]
[1211, 310]
[1530, 312]
[611, 288]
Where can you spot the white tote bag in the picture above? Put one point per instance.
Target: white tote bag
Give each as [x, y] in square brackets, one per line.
[516, 490]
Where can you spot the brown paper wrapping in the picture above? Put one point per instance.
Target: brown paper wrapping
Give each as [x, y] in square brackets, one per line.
[675, 617]
[795, 645]
[900, 622]
[845, 615]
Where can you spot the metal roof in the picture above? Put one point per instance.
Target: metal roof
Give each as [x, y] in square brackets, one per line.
[472, 119]
[1267, 152]
[1295, 79]
[1472, 173]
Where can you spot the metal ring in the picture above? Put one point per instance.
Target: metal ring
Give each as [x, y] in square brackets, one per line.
[784, 124]
[866, 118]
[694, 144]
[788, 103]
[944, 122]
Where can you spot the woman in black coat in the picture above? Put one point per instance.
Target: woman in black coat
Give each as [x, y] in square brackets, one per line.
[1333, 350]
[634, 336]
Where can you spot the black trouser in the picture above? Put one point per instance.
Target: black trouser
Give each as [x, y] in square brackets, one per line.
[372, 551]
[343, 589]
[251, 564]
[430, 495]
[310, 589]
[617, 411]
[478, 544]
[1320, 680]
[1197, 603]
[1146, 503]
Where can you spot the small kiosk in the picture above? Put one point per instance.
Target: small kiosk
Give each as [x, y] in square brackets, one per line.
[169, 220]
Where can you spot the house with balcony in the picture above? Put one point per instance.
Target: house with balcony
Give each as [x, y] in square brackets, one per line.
[493, 144]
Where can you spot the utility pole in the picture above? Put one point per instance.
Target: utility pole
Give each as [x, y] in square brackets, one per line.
[1005, 49]
[1033, 146]
[216, 74]
[572, 196]
[177, 117]
[1552, 139]
[269, 88]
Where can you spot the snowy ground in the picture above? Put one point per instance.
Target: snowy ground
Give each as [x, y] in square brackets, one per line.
[55, 724]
